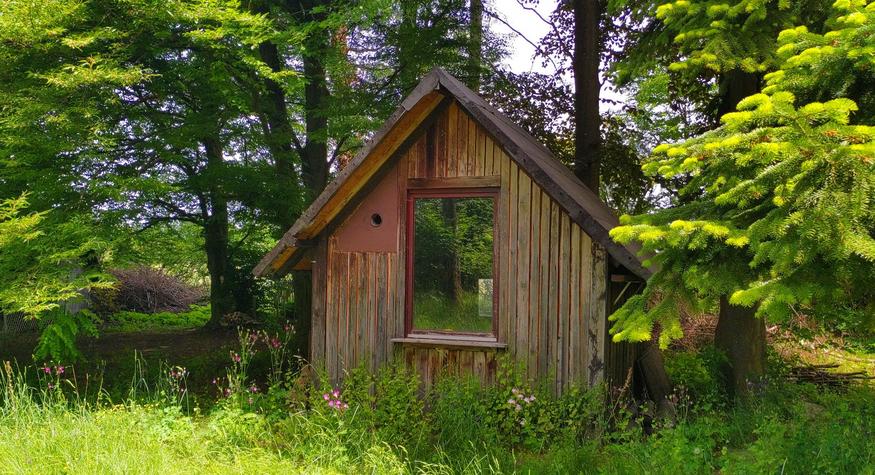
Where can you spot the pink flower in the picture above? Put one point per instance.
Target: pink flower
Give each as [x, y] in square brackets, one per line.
[59, 370]
[47, 370]
[235, 357]
[326, 396]
[335, 393]
[253, 389]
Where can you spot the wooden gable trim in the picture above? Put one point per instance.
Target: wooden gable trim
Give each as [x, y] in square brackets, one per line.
[407, 117]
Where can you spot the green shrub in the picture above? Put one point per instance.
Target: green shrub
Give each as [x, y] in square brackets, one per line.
[127, 321]
[696, 374]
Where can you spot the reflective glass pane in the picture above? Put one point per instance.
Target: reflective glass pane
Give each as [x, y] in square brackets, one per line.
[453, 257]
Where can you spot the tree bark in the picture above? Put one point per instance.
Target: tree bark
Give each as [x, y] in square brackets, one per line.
[587, 48]
[734, 86]
[656, 379]
[451, 219]
[216, 239]
[475, 45]
[742, 337]
[315, 154]
[278, 132]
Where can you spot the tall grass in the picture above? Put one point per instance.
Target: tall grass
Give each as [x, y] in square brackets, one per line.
[379, 423]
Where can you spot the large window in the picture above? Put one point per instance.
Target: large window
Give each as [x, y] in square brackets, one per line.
[452, 262]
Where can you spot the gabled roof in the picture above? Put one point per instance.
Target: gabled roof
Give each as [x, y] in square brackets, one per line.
[583, 206]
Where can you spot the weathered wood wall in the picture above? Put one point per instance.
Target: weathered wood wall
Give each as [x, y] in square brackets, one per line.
[552, 277]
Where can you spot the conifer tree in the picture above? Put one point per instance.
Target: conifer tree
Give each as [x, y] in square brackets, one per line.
[777, 212]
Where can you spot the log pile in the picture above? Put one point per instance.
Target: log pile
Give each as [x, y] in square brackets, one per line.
[821, 375]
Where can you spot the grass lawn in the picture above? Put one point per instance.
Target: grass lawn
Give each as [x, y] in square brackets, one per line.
[70, 423]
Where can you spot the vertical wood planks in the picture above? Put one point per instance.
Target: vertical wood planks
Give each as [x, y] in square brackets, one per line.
[321, 294]
[598, 308]
[551, 277]
[534, 310]
[574, 329]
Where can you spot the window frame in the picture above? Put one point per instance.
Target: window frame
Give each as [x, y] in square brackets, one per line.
[449, 192]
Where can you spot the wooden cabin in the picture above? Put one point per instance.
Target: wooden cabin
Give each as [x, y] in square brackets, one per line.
[454, 237]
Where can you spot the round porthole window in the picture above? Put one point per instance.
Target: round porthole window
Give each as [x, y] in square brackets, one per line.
[376, 220]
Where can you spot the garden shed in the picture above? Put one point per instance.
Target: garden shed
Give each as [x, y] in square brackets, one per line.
[454, 237]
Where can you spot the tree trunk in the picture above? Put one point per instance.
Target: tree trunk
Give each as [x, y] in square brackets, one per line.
[734, 86]
[656, 379]
[216, 240]
[314, 166]
[315, 154]
[279, 134]
[451, 219]
[742, 337]
[475, 45]
[587, 137]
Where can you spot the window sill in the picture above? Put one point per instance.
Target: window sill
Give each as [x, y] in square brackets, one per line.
[454, 341]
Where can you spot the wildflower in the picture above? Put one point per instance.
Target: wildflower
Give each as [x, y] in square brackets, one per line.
[253, 389]
[47, 370]
[275, 343]
[214, 381]
[287, 328]
[326, 396]
[515, 391]
[59, 370]
[335, 393]
[511, 401]
[235, 357]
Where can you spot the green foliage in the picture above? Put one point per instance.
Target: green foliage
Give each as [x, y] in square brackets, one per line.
[58, 339]
[696, 374]
[126, 321]
[44, 263]
[387, 429]
[776, 213]
[721, 35]
[435, 311]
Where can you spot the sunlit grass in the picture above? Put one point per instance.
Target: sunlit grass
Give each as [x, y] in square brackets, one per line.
[435, 311]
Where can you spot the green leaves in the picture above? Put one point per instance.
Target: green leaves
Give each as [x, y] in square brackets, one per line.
[41, 260]
[781, 213]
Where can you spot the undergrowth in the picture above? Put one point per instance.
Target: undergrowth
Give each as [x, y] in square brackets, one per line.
[384, 423]
[128, 321]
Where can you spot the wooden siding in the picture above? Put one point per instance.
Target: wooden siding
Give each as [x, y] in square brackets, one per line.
[551, 281]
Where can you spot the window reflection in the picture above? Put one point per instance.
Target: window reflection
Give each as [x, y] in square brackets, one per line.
[453, 264]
